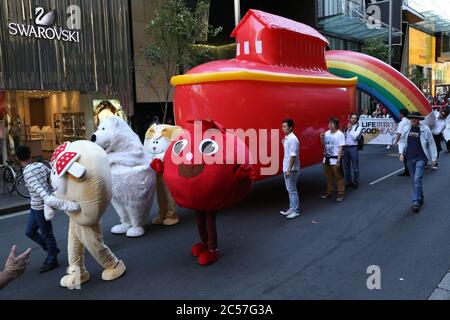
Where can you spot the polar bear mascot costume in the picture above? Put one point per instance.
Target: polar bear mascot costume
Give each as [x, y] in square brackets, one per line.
[157, 140]
[79, 175]
[133, 181]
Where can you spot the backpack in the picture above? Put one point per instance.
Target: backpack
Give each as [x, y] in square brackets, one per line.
[360, 140]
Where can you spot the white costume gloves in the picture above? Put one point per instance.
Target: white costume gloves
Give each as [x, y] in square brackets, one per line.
[52, 203]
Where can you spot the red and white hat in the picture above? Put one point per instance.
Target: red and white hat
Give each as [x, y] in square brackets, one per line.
[65, 161]
[59, 151]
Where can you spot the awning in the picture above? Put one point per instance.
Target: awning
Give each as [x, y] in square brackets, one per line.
[412, 16]
[354, 28]
[433, 23]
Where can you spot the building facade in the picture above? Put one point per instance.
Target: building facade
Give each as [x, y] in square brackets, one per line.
[58, 59]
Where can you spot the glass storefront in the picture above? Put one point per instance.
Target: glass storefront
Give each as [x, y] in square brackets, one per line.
[45, 119]
[422, 57]
[53, 75]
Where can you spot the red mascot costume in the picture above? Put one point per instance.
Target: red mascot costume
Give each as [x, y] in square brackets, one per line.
[207, 169]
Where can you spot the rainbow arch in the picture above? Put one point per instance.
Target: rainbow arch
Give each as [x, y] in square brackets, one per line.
[379, 80]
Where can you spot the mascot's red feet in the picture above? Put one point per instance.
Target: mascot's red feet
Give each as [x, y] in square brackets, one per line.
[208, 257]
[198, 249]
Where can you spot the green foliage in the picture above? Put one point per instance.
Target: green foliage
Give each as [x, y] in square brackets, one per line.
[175, 33]
[417, 77]
[376, 48]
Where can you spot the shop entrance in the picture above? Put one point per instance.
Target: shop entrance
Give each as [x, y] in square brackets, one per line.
[37, 112]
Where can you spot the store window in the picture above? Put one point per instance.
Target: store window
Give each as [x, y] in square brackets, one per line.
[42, 120]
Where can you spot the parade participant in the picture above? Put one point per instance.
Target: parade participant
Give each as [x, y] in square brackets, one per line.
[438, 130]
[446, 133]
[80, 174]
[365, 114]
[418, 147]
[404, 121]
[200, 179]
[38, 229]
[351, 154]
[291, 168]
[14, 267]
[133, 181]
[333, 142]
[157, 141]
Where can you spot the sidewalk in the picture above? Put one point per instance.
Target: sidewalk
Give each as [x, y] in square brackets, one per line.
[12, 203]
[442, 292]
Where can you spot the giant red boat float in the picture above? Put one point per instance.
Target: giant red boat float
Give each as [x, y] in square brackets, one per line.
[280, 71]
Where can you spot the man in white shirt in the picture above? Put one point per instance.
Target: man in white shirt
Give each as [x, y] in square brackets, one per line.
[291, 168]
[437, 131]
[404, 122]
[351, 153]
[333, 142]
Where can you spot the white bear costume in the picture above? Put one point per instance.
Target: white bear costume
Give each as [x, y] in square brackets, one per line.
[133, 181]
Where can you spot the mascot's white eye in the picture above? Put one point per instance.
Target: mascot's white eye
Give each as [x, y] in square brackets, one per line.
[179, 147]
[209, 147]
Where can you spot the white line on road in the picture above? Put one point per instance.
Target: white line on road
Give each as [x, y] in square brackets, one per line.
[386, 177]
[14, 215]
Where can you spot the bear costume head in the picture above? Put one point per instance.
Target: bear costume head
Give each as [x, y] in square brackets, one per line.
[114, 135]
[209, 172]
[81, 173]
[159, 138]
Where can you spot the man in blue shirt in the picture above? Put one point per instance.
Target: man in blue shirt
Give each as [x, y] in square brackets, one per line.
[418, 147]
[291, 168]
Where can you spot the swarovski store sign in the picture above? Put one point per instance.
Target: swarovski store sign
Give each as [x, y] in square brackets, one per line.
[67, 45]
[44, 26]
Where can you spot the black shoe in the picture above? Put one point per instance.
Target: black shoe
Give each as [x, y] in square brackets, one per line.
[415, 208]
[46, 267]
[349, 186]
[404, 174]
[355, 185]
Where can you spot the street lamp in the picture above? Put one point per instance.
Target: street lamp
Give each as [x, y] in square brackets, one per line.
[390, 32]
[237, 11]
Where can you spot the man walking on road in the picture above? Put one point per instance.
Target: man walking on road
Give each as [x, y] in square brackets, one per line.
[418, 147]
[291, 168]
[351, 153]
[404, 122]
[333, 142]
[38, 229]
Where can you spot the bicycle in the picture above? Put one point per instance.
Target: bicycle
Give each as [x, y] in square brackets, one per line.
[8, 175]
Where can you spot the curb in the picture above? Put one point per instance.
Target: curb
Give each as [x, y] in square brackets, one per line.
[15, 209]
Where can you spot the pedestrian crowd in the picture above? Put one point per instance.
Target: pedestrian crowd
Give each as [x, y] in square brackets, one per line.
[419, 140]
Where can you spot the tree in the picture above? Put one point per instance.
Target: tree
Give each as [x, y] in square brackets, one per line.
[376, 48]
[417, 77]
[176, 33]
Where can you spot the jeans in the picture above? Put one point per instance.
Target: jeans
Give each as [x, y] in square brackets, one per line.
[45, 238]
[351, 159]
[416, 169]
[291, 186]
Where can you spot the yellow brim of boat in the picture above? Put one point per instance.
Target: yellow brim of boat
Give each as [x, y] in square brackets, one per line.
[248, 75]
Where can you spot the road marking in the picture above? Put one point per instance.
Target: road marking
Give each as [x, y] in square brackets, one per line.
[14, 215]
[386, 177]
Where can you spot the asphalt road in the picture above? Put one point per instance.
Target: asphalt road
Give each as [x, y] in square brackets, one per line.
[324, 254]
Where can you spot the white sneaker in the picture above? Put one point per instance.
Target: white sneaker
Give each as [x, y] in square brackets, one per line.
[287, 213]
[293, 215]
[435, 168]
